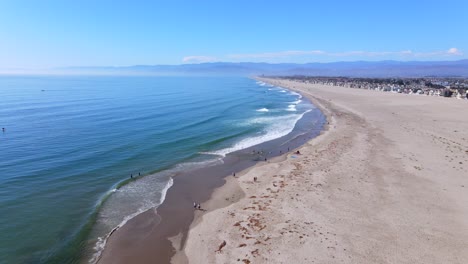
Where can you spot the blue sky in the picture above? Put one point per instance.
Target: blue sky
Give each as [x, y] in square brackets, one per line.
[44, 34]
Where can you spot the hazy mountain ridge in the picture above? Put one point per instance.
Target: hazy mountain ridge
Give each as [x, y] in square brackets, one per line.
[352, 69]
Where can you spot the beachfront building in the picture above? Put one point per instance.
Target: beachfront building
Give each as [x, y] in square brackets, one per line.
[446, 87]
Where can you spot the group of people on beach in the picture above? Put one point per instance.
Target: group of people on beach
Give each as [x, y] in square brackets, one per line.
[261, 152]
[196, 206]
[131, 175]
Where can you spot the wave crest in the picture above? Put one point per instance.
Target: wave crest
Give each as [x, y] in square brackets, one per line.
[278, 127]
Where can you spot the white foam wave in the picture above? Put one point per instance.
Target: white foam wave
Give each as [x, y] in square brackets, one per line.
[278, 127]
[263, 110]
[284, 90]
[296, 102]
[164, 191]
[198, 164]
[291, 108]
[102, 241]
[297, 94]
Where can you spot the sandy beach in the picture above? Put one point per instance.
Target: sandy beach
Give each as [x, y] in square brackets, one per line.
[145, 238]
[386, 182]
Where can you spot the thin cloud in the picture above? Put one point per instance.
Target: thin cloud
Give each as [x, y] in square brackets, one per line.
[281, 54]
[454, 51]
[199, 59]
[294, 53]
[370, 53]
[449, 52]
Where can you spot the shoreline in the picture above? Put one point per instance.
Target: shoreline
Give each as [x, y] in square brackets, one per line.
[218, 199]
[385, 184]
[146, 237]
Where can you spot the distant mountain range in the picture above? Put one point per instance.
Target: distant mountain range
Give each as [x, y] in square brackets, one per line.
[352, 69]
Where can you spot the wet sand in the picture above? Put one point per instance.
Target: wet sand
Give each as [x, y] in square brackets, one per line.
[156, 235]
[387, 183]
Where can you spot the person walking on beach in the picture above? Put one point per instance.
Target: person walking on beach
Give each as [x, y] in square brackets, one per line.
[194, 205]
[131, 176]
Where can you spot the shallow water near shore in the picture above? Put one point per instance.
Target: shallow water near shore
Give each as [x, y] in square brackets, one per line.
[71, 144]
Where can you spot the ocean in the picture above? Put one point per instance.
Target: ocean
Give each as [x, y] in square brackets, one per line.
[81, 155]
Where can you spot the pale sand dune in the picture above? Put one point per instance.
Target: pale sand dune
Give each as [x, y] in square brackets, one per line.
[388, 183]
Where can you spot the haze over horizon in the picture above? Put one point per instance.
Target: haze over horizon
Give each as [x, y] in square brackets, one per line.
[54, 34]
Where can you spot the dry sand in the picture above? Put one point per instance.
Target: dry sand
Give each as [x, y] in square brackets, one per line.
[386, 183]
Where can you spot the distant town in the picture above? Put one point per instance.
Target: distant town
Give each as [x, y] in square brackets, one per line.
[432, 86]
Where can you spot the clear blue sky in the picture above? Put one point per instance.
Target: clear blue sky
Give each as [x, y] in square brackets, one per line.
[42, 34]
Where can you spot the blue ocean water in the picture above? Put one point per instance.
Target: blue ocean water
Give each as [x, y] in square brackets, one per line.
[71, 143]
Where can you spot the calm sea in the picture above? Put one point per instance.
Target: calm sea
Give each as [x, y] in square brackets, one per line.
[71, 146]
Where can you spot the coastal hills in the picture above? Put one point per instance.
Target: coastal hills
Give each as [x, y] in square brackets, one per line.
[351, 69]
